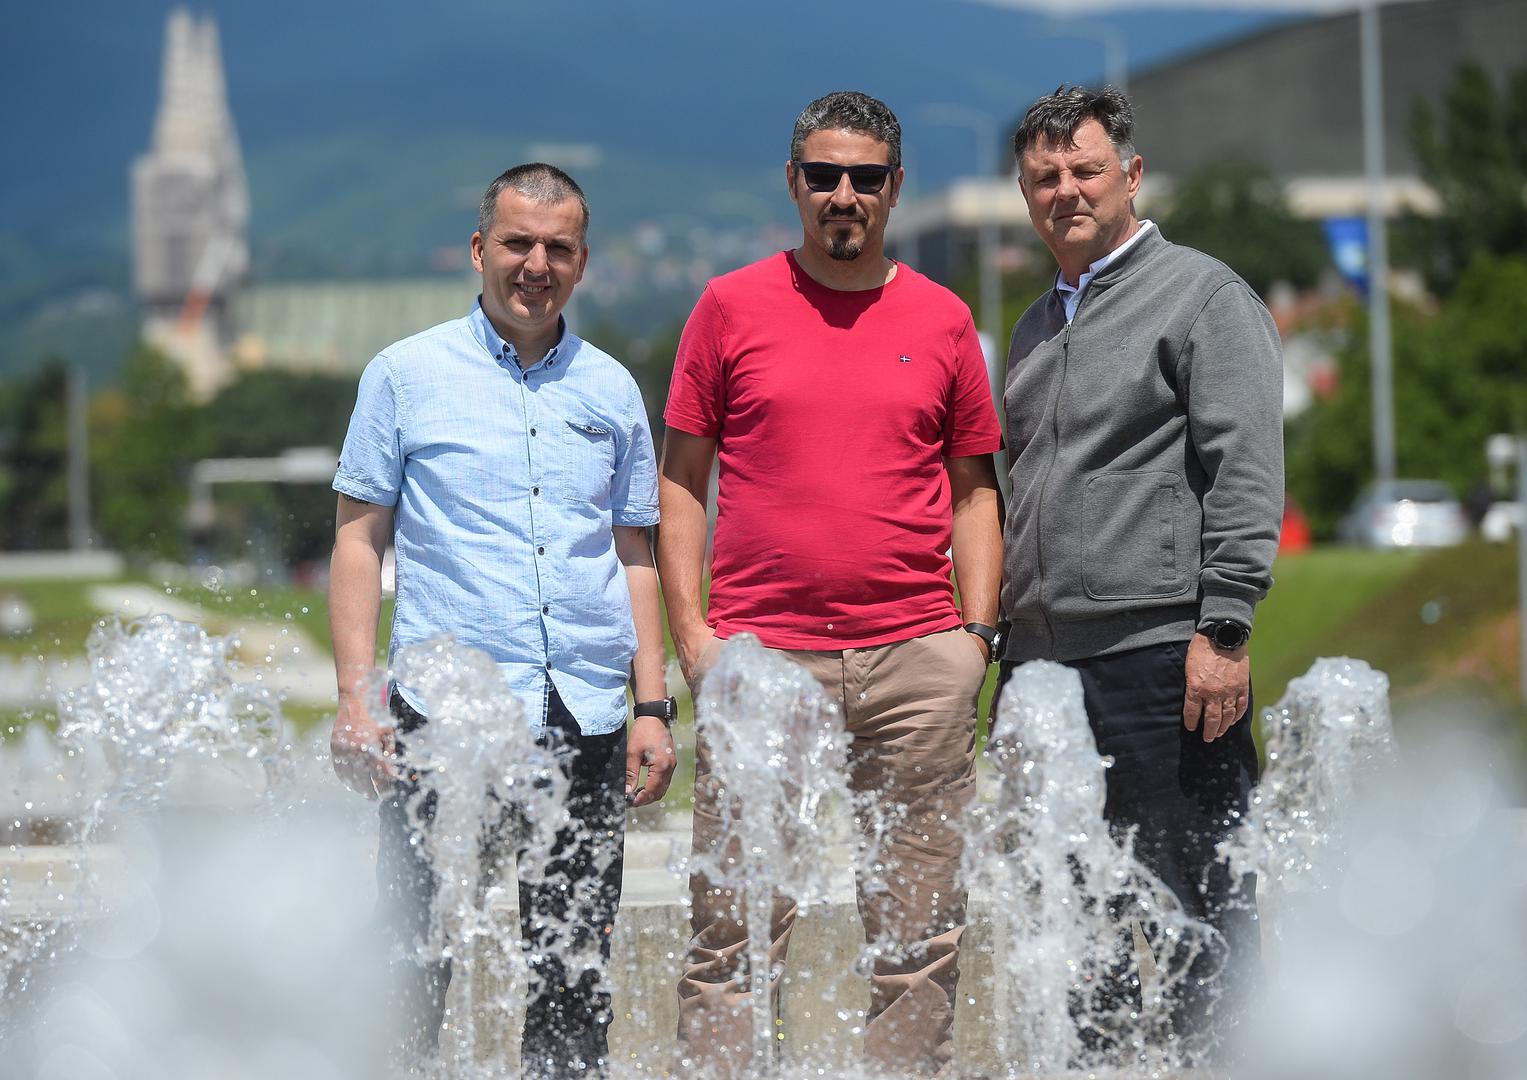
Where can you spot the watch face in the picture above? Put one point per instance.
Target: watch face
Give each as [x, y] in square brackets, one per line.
[1229, 635]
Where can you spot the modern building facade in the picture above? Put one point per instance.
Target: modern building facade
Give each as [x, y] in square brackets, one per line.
[1287, 97]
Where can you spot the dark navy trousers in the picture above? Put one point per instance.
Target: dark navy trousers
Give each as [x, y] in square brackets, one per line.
[567, 1016]
[1182, 796]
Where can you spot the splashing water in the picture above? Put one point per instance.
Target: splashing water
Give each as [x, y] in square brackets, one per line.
[162, 691]
[482, 770]
[161, 695]
[167, 708]
[1326, 740]
[1068, 898]
[778, 751]
[1412, 963]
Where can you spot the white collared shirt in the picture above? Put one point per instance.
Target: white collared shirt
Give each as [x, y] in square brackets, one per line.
[1071, 295]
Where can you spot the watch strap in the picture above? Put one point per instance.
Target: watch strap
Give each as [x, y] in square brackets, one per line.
[989, 634]
[665, 709]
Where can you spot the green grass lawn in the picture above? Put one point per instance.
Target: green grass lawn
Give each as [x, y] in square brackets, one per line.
[62, 617]
[1441, 624]
[308, 608]
[1314, 596]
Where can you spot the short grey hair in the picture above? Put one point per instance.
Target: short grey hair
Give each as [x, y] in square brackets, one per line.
[849, 110]
[538, 182]
[1055, 118]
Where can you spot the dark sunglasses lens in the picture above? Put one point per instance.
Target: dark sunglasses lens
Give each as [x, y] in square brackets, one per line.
[866, 179]
[821, 177]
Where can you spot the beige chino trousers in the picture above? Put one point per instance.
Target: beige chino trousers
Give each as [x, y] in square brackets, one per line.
[910, 708]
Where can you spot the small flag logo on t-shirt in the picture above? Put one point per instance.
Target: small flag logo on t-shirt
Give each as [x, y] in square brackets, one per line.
[905, 359]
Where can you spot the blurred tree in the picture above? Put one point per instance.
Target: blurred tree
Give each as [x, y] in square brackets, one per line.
[264, 414]
[1458, 380]
[147, 435]
[1474, 153]
[1235, 211]
[1020, 288]
[649, 359]
[34, 451]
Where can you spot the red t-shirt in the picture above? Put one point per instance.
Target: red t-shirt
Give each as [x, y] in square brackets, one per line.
[832, 412]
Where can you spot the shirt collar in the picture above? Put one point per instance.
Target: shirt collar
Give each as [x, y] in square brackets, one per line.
[1081, 283]
[503, 352]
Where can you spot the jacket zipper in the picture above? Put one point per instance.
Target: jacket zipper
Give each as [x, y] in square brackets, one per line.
[1039, 512]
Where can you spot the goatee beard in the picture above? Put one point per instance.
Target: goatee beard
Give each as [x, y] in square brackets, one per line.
[845, 250]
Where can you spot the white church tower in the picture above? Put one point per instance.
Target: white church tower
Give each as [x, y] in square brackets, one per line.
[190, 208]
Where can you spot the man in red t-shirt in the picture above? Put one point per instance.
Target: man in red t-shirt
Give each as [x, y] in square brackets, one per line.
[847, 400]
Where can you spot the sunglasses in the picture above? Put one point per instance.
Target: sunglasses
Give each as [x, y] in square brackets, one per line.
[825, 176]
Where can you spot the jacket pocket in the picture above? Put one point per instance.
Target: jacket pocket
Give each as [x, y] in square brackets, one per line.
[1131, 543]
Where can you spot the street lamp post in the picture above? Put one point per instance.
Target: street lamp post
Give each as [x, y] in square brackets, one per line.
[1382, 380]
[1521, 556]
[79, 462]
[1115, 53]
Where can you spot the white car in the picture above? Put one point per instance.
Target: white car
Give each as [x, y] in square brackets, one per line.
[1406, 513]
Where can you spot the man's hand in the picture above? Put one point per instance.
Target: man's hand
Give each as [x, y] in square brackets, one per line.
[650, 744]
[691, 648]
[359, 747]
[362, 749]
[981, 644]
[1218, 687]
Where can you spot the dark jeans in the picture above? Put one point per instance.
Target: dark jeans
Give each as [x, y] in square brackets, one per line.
[568, 1015]
[1183, 796]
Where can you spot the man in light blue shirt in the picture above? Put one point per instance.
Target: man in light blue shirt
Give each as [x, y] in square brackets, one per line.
[511, 465]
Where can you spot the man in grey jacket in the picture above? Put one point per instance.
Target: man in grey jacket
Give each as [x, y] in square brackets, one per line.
[1144, 420]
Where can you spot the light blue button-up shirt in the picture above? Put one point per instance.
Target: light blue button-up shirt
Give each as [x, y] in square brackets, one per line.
[507, 484]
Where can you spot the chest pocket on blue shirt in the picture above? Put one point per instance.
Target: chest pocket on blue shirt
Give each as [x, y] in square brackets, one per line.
[588, 461]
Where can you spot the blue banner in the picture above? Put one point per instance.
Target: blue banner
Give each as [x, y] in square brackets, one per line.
[1348, 240]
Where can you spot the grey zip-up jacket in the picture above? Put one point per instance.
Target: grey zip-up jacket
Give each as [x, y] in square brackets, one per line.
[1146, 449]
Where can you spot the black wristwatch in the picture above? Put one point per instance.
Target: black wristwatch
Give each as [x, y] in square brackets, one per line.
[1226, 633]
[989, 634]
[666, 710]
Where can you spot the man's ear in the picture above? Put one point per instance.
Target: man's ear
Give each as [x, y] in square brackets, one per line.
[790, 179]
[476, 245]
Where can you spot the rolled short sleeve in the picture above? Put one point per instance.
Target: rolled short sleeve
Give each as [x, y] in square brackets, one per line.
[971, 426]
[371, 463]
[633, 489]
[696, 394]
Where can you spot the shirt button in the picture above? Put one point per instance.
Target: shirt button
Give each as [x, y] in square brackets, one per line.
[532, 431]
[535, 490]
[545, 609]
[548, 665]
[540, 551]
